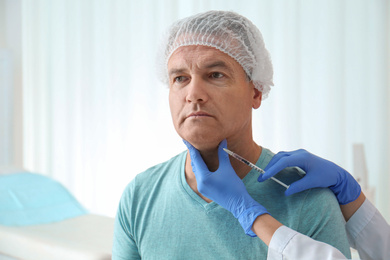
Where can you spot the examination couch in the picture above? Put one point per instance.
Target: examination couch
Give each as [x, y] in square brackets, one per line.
[41, 220]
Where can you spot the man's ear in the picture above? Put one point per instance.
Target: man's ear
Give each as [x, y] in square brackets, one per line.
[257, 96]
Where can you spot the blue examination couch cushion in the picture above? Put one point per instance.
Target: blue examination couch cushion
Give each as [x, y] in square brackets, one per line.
[31, 199]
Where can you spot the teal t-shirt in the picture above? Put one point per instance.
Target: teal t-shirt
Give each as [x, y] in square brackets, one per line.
[161, 217]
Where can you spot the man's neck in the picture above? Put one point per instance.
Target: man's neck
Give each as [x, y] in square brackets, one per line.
[250, 151]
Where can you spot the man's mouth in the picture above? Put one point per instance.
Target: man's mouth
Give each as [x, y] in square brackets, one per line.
[198, 114]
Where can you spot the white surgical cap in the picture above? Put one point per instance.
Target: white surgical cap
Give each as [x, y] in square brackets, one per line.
[228, 32]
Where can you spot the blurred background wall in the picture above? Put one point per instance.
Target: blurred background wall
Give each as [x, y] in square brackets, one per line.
[11, 114]
[80, 100]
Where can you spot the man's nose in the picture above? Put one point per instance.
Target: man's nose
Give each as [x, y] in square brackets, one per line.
[197, 91]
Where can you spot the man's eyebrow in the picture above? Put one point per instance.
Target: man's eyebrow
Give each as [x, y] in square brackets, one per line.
[175, 71]
[216, 64]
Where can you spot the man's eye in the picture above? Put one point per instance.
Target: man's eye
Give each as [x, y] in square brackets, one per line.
[216, 75]
[179, 79]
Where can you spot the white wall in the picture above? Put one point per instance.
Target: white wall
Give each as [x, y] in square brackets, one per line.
[11, 126]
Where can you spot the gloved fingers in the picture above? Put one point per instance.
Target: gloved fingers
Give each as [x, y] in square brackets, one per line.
[282, 163]
[309, 181]
[298, 186]
[282, 160]
[223, 157]
[198, 165]
[276, 158]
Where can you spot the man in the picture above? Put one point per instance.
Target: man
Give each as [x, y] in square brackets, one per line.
[218, 70]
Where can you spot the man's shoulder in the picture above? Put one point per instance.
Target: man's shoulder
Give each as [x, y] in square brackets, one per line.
[158, 172]
[152, 180]
[315, 203]
[312, 199]
[161, 168]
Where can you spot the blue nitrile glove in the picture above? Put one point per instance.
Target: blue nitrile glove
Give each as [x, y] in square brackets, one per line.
[225, 188]
[319, 173]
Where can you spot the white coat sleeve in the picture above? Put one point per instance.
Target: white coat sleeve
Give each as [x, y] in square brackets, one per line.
[369, 233]
[288, 244]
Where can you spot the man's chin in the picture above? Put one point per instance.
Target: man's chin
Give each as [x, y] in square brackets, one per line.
[204, 144]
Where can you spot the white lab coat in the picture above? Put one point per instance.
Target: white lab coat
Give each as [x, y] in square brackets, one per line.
[368, 232]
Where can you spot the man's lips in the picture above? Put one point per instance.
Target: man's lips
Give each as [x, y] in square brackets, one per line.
[198, 114]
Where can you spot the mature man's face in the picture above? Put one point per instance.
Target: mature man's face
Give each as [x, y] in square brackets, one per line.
[210, 97]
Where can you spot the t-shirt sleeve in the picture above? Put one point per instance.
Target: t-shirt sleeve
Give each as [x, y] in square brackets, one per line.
[124, 246]
[322, 220]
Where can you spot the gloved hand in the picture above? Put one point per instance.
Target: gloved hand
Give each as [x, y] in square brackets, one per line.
[225, 188]
[319, 173]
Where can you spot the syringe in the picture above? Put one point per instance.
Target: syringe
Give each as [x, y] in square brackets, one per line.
[243, 160]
